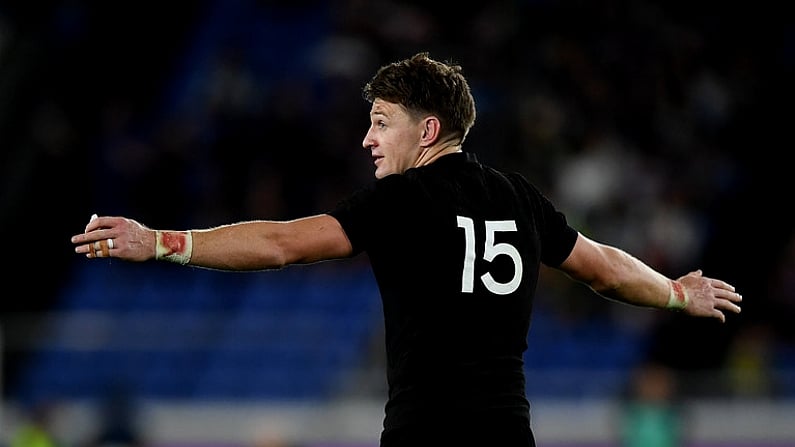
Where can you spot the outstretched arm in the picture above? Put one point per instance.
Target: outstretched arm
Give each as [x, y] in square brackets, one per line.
[251, 245]
[615, 274]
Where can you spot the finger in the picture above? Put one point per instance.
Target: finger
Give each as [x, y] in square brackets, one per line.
[729, 295]
[92, 219]
[82, 238]
[99, 248]
[719, 284]
[728, 306]
[96, 248]
[85, 249]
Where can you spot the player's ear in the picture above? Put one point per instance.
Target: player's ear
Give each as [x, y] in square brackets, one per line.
[431, 127]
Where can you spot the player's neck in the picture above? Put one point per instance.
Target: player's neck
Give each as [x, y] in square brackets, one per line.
[432, 153]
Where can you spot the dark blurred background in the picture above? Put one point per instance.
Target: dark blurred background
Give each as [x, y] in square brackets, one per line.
[660, 127]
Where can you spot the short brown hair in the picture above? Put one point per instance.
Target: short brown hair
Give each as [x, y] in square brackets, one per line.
[425, 86]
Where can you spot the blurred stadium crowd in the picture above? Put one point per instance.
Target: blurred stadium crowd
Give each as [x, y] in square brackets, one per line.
[656, 126]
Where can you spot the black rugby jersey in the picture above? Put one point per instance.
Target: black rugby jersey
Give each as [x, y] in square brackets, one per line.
[455, 247]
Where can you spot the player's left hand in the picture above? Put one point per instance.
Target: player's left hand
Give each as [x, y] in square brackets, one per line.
[709, 297]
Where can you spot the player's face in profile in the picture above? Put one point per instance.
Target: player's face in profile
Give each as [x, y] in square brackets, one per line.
[393, 138]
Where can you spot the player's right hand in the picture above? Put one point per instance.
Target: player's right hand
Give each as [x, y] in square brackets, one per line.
[125, 239]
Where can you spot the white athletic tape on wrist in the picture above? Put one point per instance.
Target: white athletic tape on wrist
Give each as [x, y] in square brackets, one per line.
[678, 298]
[174, 246]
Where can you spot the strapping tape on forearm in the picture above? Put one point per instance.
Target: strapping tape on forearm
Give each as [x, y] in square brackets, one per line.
[678, 299]
[174, 246]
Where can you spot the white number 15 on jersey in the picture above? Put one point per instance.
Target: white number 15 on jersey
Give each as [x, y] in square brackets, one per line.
[491, 251]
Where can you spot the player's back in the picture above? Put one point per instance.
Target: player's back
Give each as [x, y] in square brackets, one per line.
[455, 247]
[457, 281]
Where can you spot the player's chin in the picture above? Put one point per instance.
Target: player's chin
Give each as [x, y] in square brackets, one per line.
[381, 172]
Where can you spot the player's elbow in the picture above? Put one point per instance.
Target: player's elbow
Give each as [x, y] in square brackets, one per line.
[605, 286]
[277, 256]
[265, 254]
[597, 265]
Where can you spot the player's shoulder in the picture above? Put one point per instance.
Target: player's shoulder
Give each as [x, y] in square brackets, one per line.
[512, 177]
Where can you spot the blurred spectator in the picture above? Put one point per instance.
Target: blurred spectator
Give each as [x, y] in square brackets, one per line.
[749, 362]
[782, 294]
[651, 417]
[37, 430]
[118, 421]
